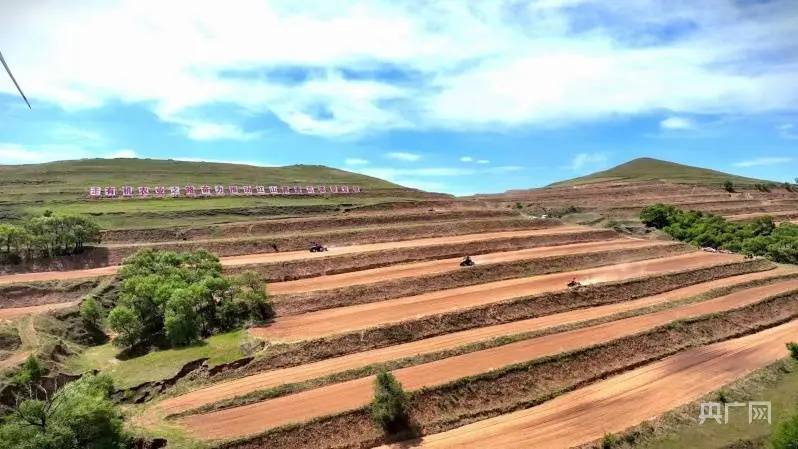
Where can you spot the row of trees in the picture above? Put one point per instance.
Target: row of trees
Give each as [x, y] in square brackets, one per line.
[729, 186]
[184, 297]
[46, 236]
[760, 237]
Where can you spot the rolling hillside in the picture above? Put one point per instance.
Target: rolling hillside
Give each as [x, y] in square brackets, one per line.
[649, 169]
[64, 186]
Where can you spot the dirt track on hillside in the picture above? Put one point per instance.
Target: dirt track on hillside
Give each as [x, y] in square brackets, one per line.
[294, 255]
[346, 319]
[445, 265]
[274, 378]
[19, 312]
[622, 401]
[255, 418]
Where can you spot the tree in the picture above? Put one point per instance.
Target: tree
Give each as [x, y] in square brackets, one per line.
[91, 312]
[78, 416]
[389, 408]
[793, 348]
[728, 186]
[659, 215]
[184, 296]
[127, 324]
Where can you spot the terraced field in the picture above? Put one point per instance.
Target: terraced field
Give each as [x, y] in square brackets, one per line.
[500, 354]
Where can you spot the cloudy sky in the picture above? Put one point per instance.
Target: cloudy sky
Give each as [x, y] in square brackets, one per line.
[459, 96]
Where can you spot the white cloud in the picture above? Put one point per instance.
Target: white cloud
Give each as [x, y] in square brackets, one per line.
[453, 65]
[123, 154]
[786, 131]
[676, 123]
[588, 161]
[356, 161]
[403, 156]
[466, 159]
[763, 161]
[483, 161]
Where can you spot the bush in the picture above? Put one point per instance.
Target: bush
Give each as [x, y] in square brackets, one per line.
[785, 436]
[609, 441]
[728, 186]
[91, 312]
[389, 408]
[793, 348]
[658, 215]
[31, 372]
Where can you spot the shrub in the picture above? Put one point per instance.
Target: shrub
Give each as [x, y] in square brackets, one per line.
[389, 408]
[519, 206]
[728, 186]
[793, 348]
[658, 215]
[91, 312]
[609, 441]
[31, 372]
[785, 436]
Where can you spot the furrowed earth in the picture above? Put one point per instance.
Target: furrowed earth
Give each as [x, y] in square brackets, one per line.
[499, 354]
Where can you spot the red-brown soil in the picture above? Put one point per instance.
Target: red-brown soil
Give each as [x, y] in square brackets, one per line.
[255, 418]
[274, 378]
[348, 319]
[622, 401]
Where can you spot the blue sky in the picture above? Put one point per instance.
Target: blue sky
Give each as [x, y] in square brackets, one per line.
[454, 96]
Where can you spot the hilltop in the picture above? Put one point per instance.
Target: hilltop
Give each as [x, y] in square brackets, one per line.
[63, 186]
[650, 169]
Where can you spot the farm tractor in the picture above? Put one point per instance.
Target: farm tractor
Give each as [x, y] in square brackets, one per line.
[317, 247]
[467, 262]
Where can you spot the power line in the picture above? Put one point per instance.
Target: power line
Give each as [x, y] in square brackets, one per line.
[19, 89]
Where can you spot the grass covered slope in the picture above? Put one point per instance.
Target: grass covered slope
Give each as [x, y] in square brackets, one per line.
[649, 169]
[63, 187]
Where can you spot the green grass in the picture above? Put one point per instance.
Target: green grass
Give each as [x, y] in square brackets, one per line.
[781, 392]
[63, 187]
[648, 169]
[157, 365]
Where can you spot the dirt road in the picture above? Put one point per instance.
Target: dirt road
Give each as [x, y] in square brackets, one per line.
[274, 378]
[446, 265]
[622, 401]
[258, 417]
[347, 319]
[294, 255]
[30, 341]
[776, 215]
[19, 312]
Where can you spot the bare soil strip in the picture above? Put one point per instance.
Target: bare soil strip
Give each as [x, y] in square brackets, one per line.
[780, 215]
[19, 312]
[279, 225]
[447, 265]
[301, 303]
[293, 255]
[274, 378]
[255, 418]
[348, 319]
[414, 329]
[622, 401]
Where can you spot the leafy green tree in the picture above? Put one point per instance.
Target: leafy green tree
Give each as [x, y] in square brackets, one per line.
[658, 215]
[124, 321]
[389, 407]
[78, 416]
[91, 311]
[182, 321]
[186, 296]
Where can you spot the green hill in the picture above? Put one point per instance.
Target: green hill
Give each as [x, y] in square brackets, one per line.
[649, 169]
[64, 186]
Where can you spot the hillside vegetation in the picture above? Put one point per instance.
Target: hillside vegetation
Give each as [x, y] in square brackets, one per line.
[63, 187]
[649, 169]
